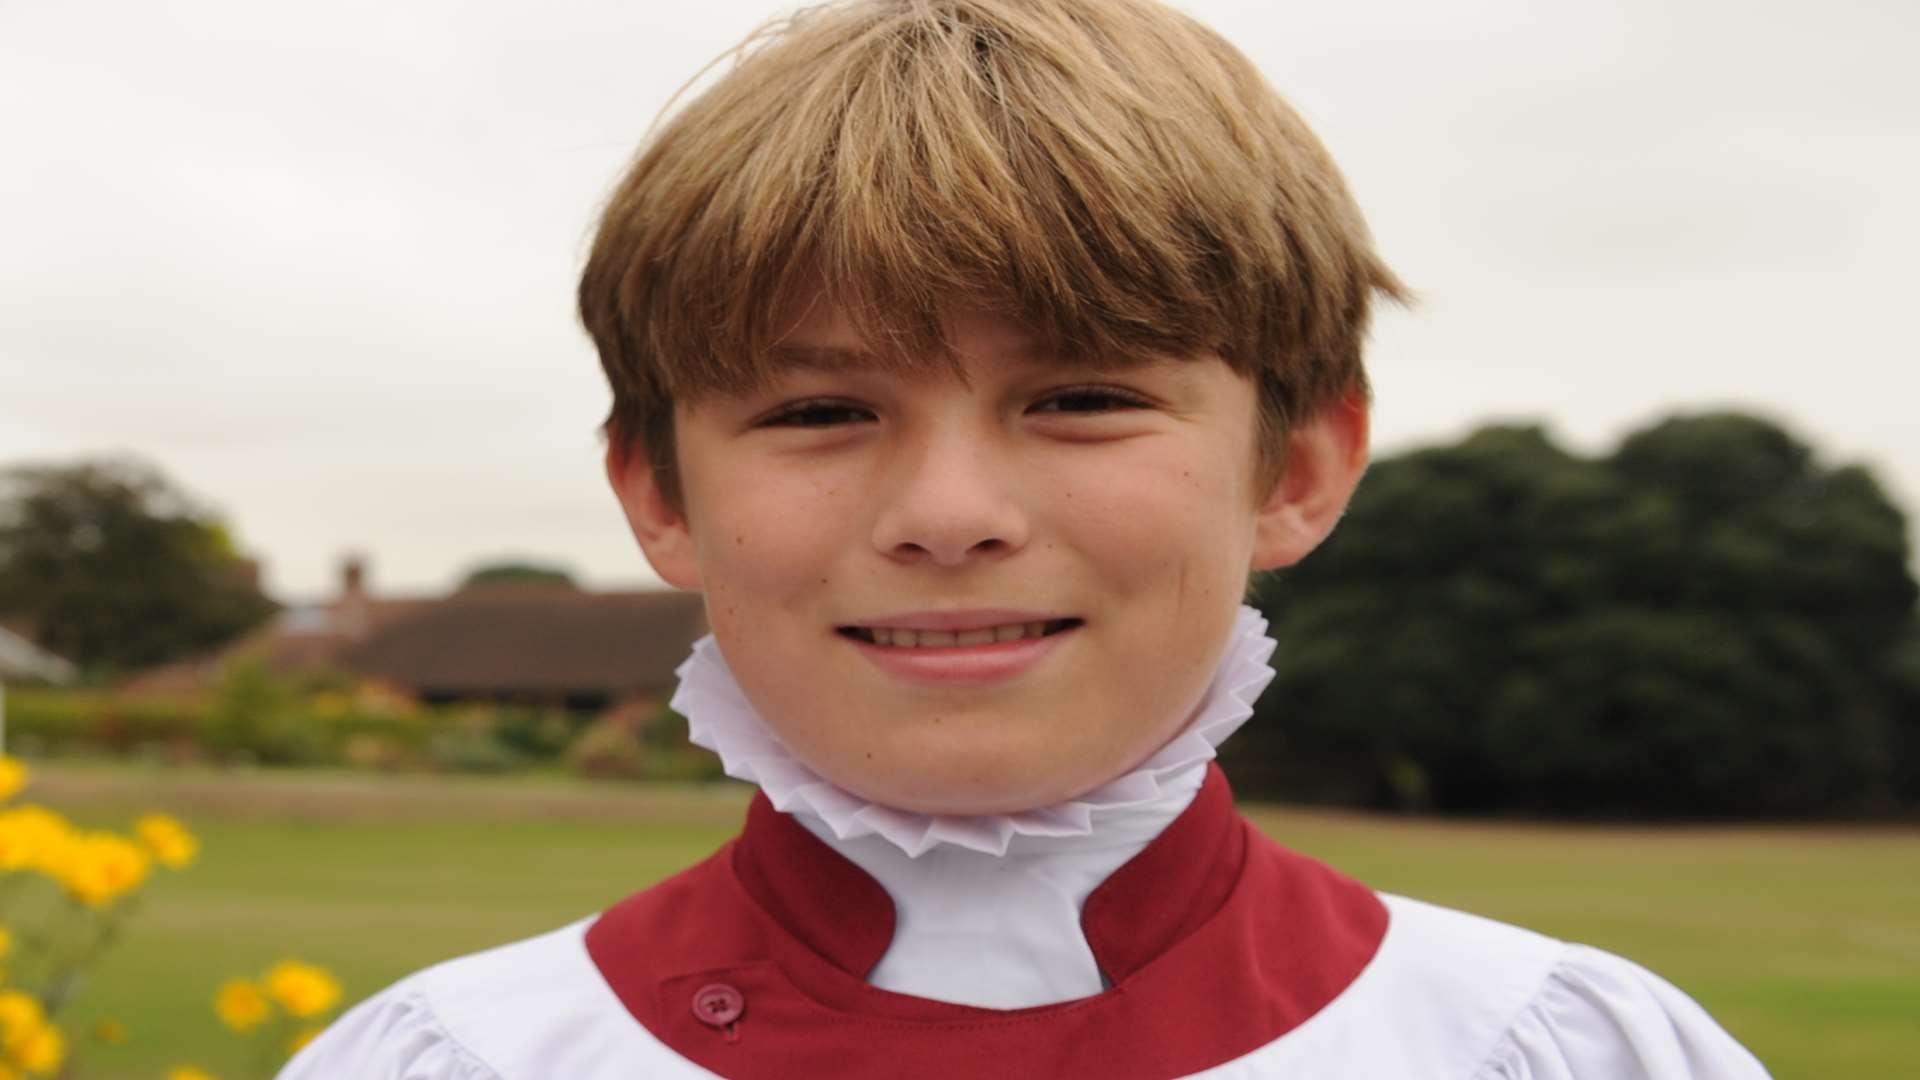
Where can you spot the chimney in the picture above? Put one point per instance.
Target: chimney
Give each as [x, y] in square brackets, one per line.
[350, 610]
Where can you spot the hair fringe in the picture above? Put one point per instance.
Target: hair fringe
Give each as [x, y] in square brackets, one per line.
[1109, 173]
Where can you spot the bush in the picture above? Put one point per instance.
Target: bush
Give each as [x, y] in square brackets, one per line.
[608, 749]
[467, 739]
[642, 741]
[62, 721]
[256, 718]
[534, 732]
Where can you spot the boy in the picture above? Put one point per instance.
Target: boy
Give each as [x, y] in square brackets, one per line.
[969, 355]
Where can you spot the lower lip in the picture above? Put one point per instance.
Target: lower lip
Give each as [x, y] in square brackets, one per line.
[963, 665]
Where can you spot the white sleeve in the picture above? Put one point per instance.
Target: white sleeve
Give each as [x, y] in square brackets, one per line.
[392, 1035]
[1600, 1017]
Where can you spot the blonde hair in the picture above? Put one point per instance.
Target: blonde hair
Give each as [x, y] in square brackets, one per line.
[1109, 173]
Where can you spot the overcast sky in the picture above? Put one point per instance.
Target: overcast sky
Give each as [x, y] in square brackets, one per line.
[316, 260]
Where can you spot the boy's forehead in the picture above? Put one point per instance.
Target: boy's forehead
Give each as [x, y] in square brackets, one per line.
[964, 355]
[825, 333]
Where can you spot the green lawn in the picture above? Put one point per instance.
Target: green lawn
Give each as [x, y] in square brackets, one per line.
[1804, 941]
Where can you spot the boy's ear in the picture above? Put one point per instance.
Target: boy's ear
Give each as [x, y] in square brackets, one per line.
[1326, 454]
[660, 527]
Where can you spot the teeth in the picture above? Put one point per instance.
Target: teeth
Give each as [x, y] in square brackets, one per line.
[899, 637]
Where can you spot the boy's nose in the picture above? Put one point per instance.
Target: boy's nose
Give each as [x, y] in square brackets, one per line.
[949, 501]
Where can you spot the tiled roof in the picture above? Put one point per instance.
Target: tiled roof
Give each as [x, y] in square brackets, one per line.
[299, 639]
[533, 639]
[502, 640]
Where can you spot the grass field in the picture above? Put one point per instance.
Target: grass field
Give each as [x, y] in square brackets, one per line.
[1804, 941]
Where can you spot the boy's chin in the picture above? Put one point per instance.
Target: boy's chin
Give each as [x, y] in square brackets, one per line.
[967, 804]
[992, 758]
[942, 794]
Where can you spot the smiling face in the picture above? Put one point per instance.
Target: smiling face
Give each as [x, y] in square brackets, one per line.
[985, 595]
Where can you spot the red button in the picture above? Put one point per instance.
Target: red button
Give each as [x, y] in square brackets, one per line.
[718, 1005]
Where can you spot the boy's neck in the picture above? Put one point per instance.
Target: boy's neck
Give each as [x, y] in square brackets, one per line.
[722, 719]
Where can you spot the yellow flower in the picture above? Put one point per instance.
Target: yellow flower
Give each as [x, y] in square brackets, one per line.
[7, 1072]
[41, 1050]
[13, 776]
[33, 837]
[302, 989]
[167, 839]
[19, 1010]
[6, 941]
[301, 1038]
[240, 1004]
[101, 867]
[188, 1072]
[28, 1039]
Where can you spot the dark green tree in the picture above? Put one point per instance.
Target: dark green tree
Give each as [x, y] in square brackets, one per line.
[1902, 675]
[1708, 621]
[115, 568]
[516, 573]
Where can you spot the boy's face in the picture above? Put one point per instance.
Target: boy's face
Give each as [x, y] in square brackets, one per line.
[839, 507]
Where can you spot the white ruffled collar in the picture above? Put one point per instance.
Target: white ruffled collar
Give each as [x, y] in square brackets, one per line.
[720, 718]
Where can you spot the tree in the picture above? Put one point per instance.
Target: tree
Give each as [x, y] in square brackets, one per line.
[115, 568]
[1902, 675]
[514, 573]
[1708, 621]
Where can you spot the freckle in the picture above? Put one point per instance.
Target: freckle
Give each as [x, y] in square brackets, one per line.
[823, 581]
[739, 538]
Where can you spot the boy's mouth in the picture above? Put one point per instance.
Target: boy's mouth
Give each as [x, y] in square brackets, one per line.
[905, 638]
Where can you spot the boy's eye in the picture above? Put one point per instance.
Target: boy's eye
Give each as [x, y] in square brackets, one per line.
[1089, 399]
[823, 412]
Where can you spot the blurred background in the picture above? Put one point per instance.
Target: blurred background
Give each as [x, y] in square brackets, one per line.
[299, 467]
[316, 261]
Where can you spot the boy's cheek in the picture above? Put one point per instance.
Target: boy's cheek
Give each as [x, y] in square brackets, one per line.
[1191, 470]
[760, 518]
[1154, 502]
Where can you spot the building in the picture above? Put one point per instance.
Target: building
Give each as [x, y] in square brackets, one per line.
[23, 661]
[509, 642]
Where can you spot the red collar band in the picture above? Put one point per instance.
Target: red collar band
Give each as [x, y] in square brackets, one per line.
[1216, 940]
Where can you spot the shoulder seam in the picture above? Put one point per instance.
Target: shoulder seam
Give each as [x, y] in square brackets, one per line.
[417, 996]
[1505, 1033]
